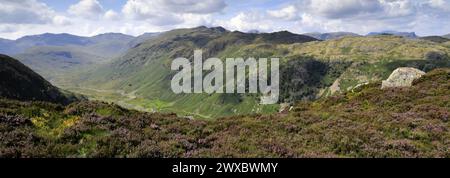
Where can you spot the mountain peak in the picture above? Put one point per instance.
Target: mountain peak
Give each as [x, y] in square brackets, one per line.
[396, 33]
[217, 29]
[285, 37]
[112, 34]
[331, 35]
[447, 36]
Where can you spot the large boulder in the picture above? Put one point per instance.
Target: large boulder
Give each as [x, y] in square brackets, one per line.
[402, 77]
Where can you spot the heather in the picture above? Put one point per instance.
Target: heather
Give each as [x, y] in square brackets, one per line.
[363, 122]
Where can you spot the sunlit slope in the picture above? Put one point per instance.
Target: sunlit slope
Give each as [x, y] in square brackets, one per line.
[308, 68]
[145, 71]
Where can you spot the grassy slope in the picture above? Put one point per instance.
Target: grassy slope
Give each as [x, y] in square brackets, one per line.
[145, 71]
[368, 122]
[19, 82]
[374, 58]
[437, 39]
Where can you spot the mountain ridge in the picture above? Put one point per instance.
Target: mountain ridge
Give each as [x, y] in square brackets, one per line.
[437, 39]
[152, 58]
[60, 39]
[331, 35]
[19, 82]
[53, 55]
[308, 69]
[446, 36]
[396, 33]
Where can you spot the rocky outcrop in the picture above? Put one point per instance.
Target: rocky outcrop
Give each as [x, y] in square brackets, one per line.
[285, 108]
[402, 77]
[335, 87]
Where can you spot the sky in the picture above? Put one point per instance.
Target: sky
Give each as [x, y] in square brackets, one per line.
[134, 17]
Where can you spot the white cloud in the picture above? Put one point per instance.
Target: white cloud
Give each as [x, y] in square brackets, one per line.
[87, 9]
[363, 16]
[361, 9]
[253, 20]
[287, 13]
[186, 6]
[61, 20]
[440, 4]
[7, 28]
[343, 8]
[88, 17]
[24, 12]
[398, 8]
[170, 12]
[111, 15]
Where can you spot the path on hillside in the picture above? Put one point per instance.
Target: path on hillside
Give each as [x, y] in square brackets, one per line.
[122, 101]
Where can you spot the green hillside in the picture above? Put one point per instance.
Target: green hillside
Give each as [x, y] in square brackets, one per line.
[142, 76]
[310, 69]
[374, 58]
[367, 122]
[437, 39]
[19, 82]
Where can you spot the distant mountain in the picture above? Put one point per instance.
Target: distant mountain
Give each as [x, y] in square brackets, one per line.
[53, 55]
[141, 38]
[49, 39]
[284, 37]
[111, 36]
[19, 82]
[330, 36]
[140, 77]
[447, 36]
[403, 34]
[53, 62]
[109, 44]
[310, 69]
[436, 39]
[7, 46]
[254, 31]
[145, 69]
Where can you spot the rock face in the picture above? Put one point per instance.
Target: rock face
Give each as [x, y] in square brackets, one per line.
[285, 108]
[335, 87]
[402, 77]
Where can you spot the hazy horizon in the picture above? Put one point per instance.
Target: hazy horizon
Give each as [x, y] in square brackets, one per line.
[135, 17]
[250, 31]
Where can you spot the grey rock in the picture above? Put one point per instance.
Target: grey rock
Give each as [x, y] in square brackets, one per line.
[285, 107]
[402, 77]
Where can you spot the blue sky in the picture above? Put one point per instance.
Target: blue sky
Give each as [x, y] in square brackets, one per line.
[134, 17]
[63, 5]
